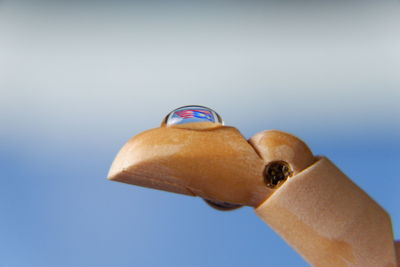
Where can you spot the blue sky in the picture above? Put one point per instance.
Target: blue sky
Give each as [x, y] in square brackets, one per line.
[78, 80]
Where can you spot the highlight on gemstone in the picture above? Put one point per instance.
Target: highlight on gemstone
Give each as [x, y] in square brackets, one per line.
[190, 114]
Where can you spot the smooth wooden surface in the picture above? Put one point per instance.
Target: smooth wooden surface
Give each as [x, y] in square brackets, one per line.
[330, 221]
[208, 160]
[211, 161]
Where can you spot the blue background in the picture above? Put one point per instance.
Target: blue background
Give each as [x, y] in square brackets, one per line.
[78, 79]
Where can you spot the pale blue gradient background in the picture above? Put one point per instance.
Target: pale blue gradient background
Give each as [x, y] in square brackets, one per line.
[78, 79]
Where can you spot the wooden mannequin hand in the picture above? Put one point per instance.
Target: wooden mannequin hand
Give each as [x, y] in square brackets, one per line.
[319, 211]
